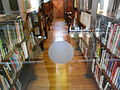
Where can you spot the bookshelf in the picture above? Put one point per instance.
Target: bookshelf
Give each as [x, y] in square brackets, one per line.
[17, 41]
[105, 45]
[107, 36]
[105, 42]
[12, 53]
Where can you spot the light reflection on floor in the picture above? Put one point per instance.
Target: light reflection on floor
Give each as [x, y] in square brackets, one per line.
[61, 77]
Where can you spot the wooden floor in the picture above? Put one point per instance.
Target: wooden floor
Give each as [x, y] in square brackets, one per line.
[70, 76]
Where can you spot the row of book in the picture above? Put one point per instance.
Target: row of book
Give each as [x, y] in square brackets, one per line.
[109, 34]
[85, 43]
[112, 72]
[105, 65]
[5, 85]
[9, 72]
[13, 52]
[83, 48]
[11, 33]
[110, 64]
[102, 81]
[114, 40]
[107, 61]
[97, 48]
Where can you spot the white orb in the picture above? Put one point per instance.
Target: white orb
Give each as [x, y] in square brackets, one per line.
[61, 52]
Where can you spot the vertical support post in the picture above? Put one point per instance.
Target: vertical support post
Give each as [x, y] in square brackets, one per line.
[89, 4]
[6, 7]
[94, 12]
[22, 9]
[78, 6]
[110, 7]
[93, 20]
[81, 4]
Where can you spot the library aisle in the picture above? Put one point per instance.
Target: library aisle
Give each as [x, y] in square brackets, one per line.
[70, 76]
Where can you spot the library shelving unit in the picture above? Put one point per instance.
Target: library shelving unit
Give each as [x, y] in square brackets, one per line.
[100, 43]
[107, 53]
[12, 52]
[17, 41]
[104, 43]
[45, 16]
[106, 48]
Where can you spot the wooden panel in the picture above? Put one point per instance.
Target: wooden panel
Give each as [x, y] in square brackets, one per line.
[58, 8]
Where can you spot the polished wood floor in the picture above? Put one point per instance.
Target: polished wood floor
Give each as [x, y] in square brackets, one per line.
[70, 76]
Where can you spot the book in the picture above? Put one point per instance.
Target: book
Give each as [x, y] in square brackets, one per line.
[115, 66]
[115, 76]
[101, 81]
[93, 66]
[96, 73]
[107, 33]
[1, 85]
[110, 66]
[16, 61]
[118, 80]
[30, 23]
[2, 53]
[112, 35]
[25, 50]
[98, 50]
[21, 28]
[6, 85]
[103, 58]
[10, 71]
[107, 57]
[9, 38]
[105, 83]
[116, 45]
[37, 31]
[115, 38]
[8, 75]
[108, 87]
[19, 39]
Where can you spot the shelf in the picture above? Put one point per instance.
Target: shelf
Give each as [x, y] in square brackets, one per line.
[108, 50]
[17, 75]
[9, 54]
[5, 17]
[106, 76]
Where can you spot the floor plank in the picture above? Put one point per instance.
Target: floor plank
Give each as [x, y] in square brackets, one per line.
[70, 76]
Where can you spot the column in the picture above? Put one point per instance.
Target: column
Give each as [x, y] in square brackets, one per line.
[82, 4]
[22, 9]
[94, 12]
[93, 20]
